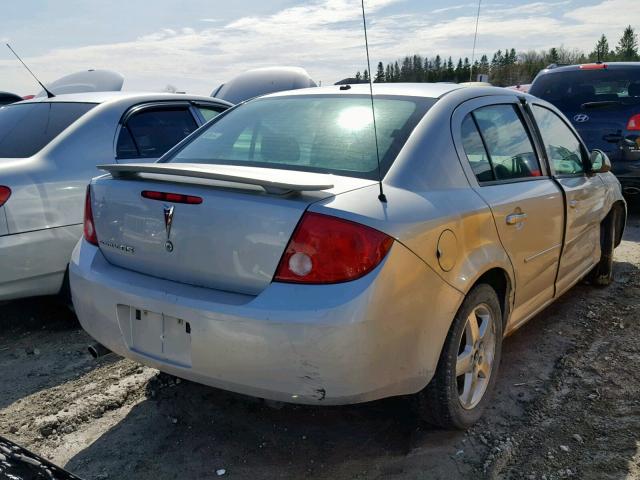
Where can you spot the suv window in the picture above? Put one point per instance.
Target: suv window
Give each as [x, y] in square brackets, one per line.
[151, 133]
[26, 128]
[569, 90]
[509, 147]
[563, 147]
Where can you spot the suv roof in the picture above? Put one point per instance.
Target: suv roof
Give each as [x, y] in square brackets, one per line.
[607, 65]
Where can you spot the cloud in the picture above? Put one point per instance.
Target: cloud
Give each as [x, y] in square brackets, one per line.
[325, 37]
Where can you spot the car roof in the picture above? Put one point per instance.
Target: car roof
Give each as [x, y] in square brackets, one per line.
[106, 97]
[609, 66]
[427, 90]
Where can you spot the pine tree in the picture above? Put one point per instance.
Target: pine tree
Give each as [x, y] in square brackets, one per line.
[388, 75]
[396, 72]
[450, 74]
[466, 70]
[418, 70]
[458, 72]
[437, 69]
[601, 52]
[358, 76]
[553, 56]
[406, 70]
[484, 65]
[497, 60]
[365, 76]
[627, 49]
[379, 74]
[428, 70]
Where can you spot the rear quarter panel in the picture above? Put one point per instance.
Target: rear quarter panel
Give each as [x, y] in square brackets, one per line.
[428, 194]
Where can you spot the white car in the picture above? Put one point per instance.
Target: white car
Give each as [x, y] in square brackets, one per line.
[49, 149]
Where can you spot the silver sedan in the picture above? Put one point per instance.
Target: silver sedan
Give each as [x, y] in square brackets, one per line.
[49, 149]
[259, 256]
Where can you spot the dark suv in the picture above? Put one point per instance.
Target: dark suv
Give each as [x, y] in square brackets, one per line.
[602, 100]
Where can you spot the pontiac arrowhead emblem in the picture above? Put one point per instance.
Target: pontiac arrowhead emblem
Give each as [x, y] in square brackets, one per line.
[168, 221]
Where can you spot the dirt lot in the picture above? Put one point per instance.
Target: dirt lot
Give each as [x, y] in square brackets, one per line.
[567, 406]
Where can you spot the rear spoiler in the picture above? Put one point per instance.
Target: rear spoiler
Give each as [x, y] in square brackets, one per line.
[273, 181]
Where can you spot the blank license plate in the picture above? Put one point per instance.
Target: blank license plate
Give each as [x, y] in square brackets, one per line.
[156, 334]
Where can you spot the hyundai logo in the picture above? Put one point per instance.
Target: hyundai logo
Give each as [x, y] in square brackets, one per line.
[581, 118]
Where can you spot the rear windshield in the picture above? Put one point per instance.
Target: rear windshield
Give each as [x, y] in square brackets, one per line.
[27, 128]
[319, 133]
[573, 89]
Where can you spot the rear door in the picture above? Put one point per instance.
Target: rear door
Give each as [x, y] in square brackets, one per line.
[527, 204]
[585, 196]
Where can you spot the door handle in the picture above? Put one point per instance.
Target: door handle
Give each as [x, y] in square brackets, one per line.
[515, 218]
[573, 203]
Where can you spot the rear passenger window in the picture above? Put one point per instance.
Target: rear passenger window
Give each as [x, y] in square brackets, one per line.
[509, 146]
[151, 133]
[563, 147]
[476, 153]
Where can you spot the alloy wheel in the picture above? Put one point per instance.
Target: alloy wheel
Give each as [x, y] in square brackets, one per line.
[476, 355]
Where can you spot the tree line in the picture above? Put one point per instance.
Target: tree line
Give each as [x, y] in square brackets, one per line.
[506, 67]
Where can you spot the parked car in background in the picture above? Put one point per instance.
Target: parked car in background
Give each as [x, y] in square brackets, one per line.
[524, 88]
[602, 100]
[257, 257]
[49, 149]
[7, 98]
[261, 81]
[86, 81]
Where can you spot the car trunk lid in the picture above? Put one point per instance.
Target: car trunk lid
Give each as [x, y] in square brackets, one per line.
[231, 240]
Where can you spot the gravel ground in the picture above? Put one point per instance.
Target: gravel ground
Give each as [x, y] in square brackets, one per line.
[567, 405]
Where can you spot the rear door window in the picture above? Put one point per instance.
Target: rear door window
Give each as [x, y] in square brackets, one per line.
[476, 153]
[26, 128]
[508, 144]
[563, 147]
[150, 133]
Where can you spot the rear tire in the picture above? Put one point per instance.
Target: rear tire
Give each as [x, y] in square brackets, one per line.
[467, 370]
[602, 273]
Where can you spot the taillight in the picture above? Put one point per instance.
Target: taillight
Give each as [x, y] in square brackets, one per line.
[5, 193]
[634, 123]
[89, 227]
[325, 249]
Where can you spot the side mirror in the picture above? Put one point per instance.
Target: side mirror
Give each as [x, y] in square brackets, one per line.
[600, 162]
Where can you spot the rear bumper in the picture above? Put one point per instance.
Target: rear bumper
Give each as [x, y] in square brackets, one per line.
[34, 263]
[374, 337]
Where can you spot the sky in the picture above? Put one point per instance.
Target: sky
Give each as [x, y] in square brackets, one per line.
[195, 45]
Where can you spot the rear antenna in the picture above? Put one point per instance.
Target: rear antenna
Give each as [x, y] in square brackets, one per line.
[49, 94]
[475, 40]
[381, 195]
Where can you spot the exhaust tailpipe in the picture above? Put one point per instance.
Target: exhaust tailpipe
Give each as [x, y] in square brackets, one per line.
[98, 350]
